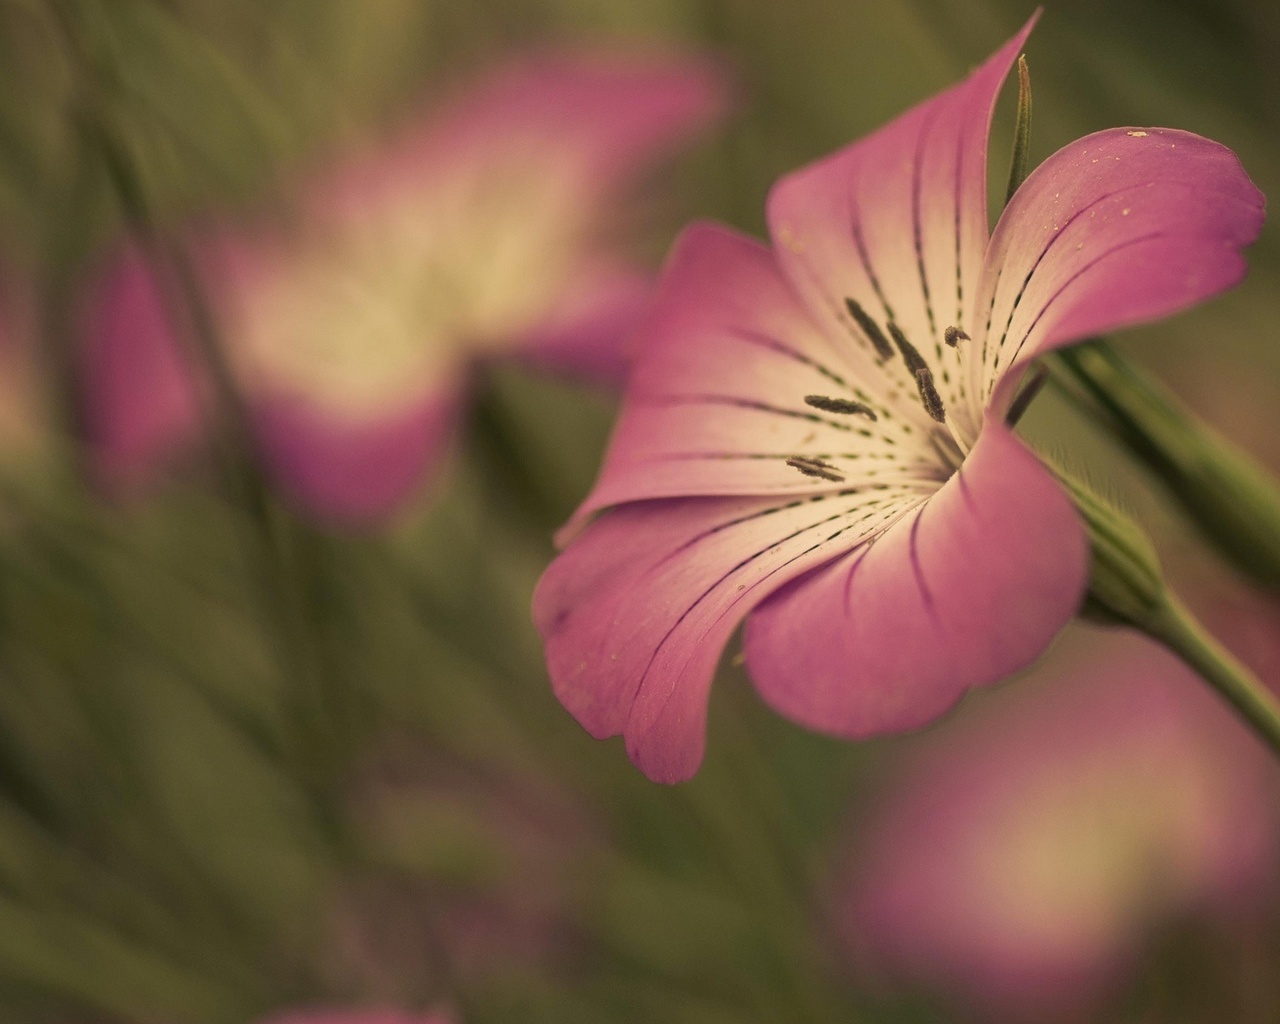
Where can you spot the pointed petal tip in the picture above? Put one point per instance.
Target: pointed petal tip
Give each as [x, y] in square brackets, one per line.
[898, 218]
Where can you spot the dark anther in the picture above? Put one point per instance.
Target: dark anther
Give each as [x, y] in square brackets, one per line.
[870, 328]
[953, 336]
[929, 396]
[844, 406]
[815, 467]
[914, 360]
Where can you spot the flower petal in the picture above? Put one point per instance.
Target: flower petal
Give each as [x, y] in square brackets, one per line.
[1118, 228]
[350, 472]
[472, 228]
[971, 587]
[898, 221]
[139, 399]
[635, 613]
[591, 335]
[608, 114]
[1111, 765]
[716, 402]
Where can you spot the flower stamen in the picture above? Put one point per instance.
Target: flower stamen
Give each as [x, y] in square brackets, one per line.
[954, 335]
[910, 354]
[929, 396]
[815, 468]
[871, 329]
[843, 406]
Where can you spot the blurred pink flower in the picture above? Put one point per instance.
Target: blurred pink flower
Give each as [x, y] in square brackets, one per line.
[484, 230]
[476, 865]
[1023, 854]
[815, 433]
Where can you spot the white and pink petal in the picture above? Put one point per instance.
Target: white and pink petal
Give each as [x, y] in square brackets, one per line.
[1118, 228]
[716, 402]
[590, 333]
[352, 472]
[635, 613]
[600, 117]
[898, 222]
[963, 591]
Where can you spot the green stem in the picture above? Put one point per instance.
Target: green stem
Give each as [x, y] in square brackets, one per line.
[1232, 500]
[1178, 630]
[1126, 587]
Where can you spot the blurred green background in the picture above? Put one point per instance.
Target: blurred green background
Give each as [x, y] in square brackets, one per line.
[208, 811]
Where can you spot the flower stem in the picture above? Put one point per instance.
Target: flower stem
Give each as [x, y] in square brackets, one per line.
[1179, 631]
[1230, 498]
[1127, 588]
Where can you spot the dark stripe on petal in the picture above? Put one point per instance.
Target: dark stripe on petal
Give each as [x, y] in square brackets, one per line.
[1065, 285]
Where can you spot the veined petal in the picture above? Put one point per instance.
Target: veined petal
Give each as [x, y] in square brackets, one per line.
[968, 588]
[898, 222]
[350, 472]
[139, 399]
[1115, 229]
[716, 402]
[635, 614]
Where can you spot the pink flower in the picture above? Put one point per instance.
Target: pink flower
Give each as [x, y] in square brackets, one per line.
[814, 433]
[481, 231]
[481, 867]
[1022, 856]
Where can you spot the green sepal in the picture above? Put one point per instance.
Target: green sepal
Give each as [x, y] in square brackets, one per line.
[1127, 588]
[1126, 585]
[1020, 163]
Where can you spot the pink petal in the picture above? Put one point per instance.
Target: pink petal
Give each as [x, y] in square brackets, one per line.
[609, 115]
[591, 334]
[715, 405]
[350, 472]
[969, 588]
[140, 404]
[635, 613]
[898, 220]
[1120, 748]
[1115, 229]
